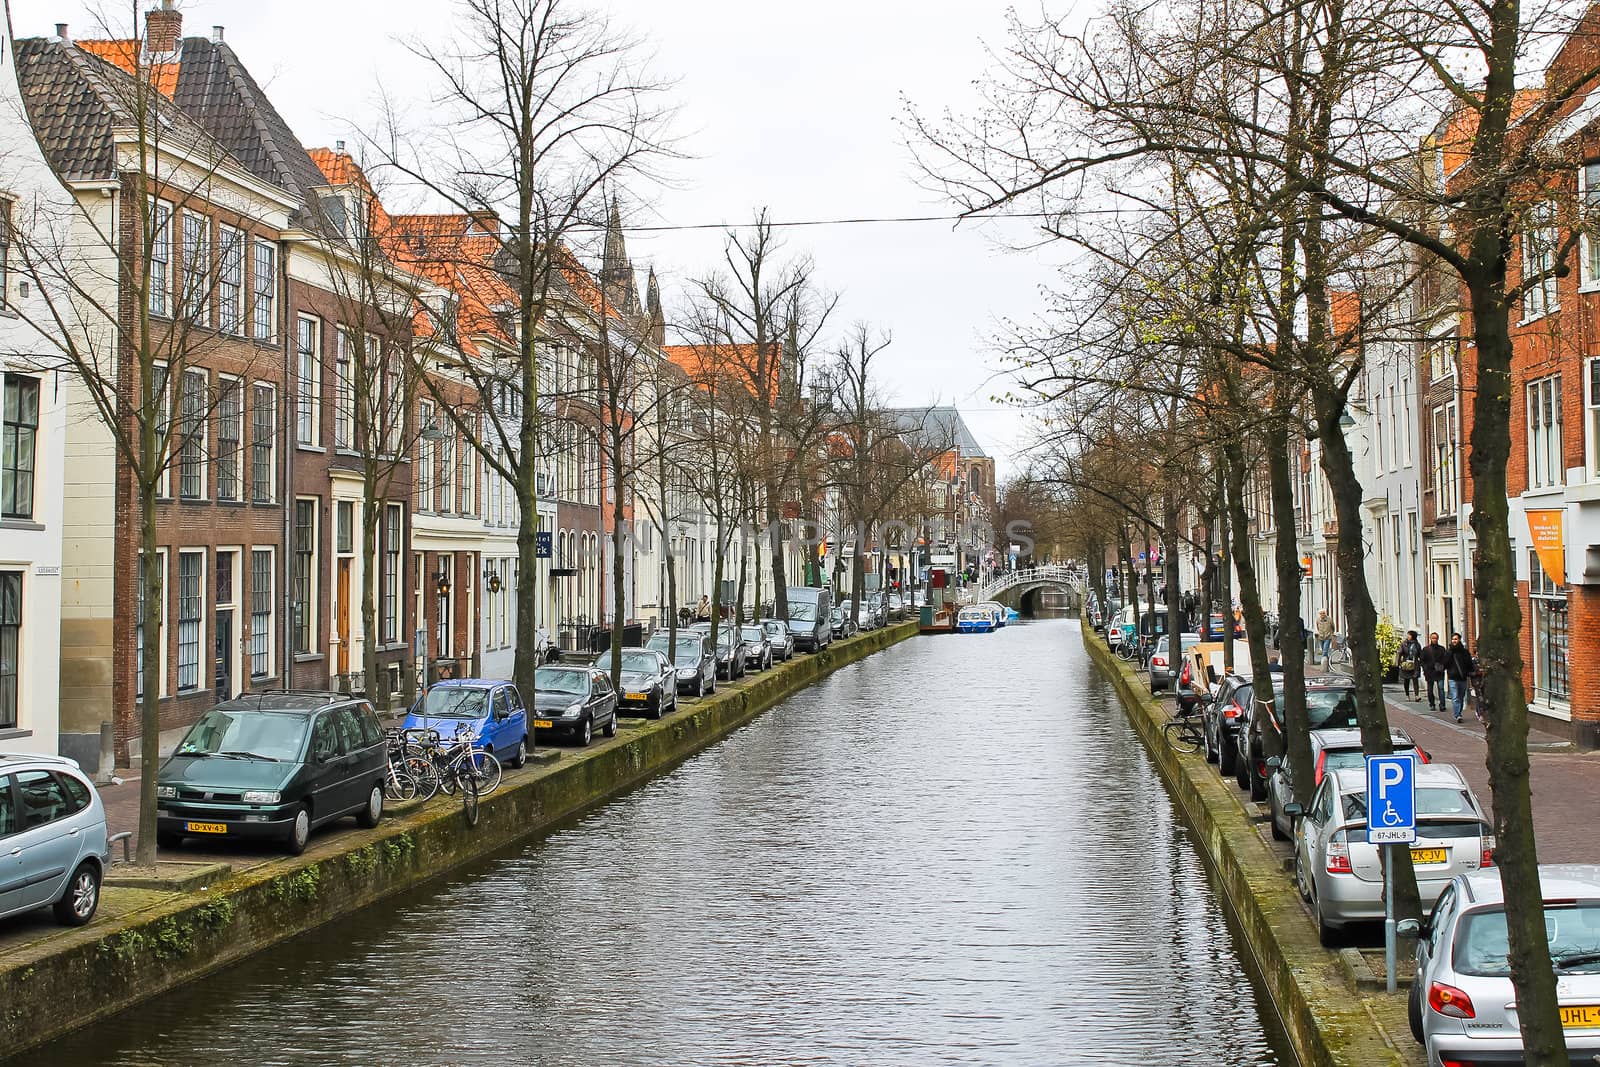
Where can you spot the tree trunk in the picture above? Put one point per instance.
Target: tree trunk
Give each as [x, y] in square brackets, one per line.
[371, 516]
[1169, 565]
[1291, 639]
[619, 581]
[1131, 582]
[1500, 654]
[149, 702]
[1244, 563]
[775, 534]
[1361, 617]
[526, 661]
[1226, 575]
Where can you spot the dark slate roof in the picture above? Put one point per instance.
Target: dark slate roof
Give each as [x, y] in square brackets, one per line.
[216, 89]
[941, 423]
[75, 99]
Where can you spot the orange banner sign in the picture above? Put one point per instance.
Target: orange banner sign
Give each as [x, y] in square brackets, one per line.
[1544, 526]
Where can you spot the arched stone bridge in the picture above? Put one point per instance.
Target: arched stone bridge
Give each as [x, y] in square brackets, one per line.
[1021, 589]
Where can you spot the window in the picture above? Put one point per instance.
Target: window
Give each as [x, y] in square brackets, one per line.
[21, 431]
[468, 504]
[1551, 633]
[265, 289]
[10, 645]
[344, 526]
[195, 279]
[308, 378]
[344, 397]
[190, 600]
[6, 223]
[263, 439]
[424, 473]
[1444, 460]
[1545, 464]
[230, 423]
[163, 406]
[1589, 187]
[42, 799]
[138, 624]
[1591, 403]
[391, 573]
[443, 490]
[305, 576]
[1539, 245]
[230, 281]
[160, 257]
[260, 612]
[192, 447]
[394, 406]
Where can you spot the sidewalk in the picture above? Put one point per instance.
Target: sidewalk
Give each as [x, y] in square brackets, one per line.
[1565, 780]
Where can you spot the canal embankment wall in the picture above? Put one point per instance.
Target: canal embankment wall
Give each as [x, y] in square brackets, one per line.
[63, 982]
[1328, 1022]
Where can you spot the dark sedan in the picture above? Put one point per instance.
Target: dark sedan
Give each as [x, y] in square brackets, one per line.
[1330, 705]
[692, 661]
[647, 681]
[842, 620]
[757, 648]
[574, 702]
[780, 637]
[730, 650]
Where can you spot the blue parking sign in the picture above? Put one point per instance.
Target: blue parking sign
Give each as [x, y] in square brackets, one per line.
[1391, 799]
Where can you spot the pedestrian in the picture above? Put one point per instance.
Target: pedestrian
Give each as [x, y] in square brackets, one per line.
[703, 611]
[1325, 632]
[1432, 662]
[1458, 667]
[1409, 660]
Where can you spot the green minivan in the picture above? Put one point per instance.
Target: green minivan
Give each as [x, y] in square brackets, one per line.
[273, 766]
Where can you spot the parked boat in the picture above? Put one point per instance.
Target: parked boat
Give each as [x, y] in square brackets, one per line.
[978, 619]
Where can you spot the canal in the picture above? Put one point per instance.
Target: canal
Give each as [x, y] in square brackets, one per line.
[955, 851]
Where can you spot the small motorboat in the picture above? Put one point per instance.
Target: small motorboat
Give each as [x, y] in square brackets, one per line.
[977, 619]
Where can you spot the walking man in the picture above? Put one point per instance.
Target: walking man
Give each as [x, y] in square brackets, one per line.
[1325, 633]
[1458, 667]
[1432, 661]
[1409, 660]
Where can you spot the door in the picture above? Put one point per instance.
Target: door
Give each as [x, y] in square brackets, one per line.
[503, 732]
[224, 653]
[342, 620]
[11, 879]
[47, 841]
[327, 769]
[358, 771]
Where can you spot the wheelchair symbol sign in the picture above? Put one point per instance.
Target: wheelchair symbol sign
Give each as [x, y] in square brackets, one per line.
[1391, 799]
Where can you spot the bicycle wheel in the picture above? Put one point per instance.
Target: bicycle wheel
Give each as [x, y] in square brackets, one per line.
[1182, 736]
[1341, 656]
[400, 786]
[469, 797]
[425, 775]
[486, 771]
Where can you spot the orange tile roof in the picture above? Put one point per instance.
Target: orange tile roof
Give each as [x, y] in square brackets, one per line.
[125, 54]
[741, 362]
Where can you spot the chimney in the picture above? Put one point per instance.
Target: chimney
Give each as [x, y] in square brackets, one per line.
[61, 31]
[485, 221]
[216, 34]
[338, 146]
[162, 28]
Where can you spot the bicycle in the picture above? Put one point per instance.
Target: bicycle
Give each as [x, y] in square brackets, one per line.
[1339, 651]
[1184, 732]
[461, 760]
[1128, 649]
[408, 756]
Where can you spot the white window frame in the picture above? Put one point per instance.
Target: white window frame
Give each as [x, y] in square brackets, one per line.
[264, 291]
[195, 283]
[344, 390]
[1539, 243]
[1444, 460]
[1588, 247]
[166, 635]
[177, 631]
[313, 577]
[1542, 409]
[308, 383]
[272, 612]
[232, 243]
[162, 213]
[423, 475]
[200, 437]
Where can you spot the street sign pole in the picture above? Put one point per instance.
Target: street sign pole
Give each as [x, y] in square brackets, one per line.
[1391, 824]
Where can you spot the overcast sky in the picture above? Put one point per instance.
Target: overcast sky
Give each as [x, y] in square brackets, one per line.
[789, 106]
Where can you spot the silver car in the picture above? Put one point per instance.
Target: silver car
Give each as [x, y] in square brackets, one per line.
[1462, 1006]
[1162, 664]
[52, 838]
[780, 637]
[757, 647]
[1341, 876]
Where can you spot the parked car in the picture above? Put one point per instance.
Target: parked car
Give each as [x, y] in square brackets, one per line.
[273, 766]
[780, 637]
[757, 648]
[1330, 704]
[1340, 875]
[53, 850]
[897, 606]
[729, 650]
[1229, 706]
[648, 682]
[842, 620]
[810, 616]
[1462, 1004]
[1331, 750]
[574, 702]
[693, 663]
[874, 611]
[1163, 664]
[491, 710]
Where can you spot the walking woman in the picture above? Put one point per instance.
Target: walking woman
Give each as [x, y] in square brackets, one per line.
[1409, 660]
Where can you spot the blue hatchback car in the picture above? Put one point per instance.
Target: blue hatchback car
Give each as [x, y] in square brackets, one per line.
[492, 709]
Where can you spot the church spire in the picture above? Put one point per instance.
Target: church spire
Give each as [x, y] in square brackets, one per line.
[652, 308]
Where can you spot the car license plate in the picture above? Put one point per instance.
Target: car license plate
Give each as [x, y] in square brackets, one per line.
[543, 724]
[1580, 1016]
[1429, 855]
[636, 696]
[206, 827]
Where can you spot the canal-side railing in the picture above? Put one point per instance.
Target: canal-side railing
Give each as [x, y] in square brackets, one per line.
[1053, 575]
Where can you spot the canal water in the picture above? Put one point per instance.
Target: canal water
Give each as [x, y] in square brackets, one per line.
[955, 851]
